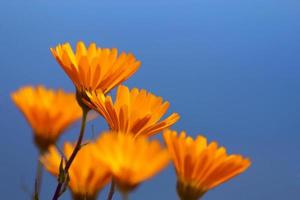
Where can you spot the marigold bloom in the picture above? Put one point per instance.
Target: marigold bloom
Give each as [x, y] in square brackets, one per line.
[131, 160]
[49, 112]
[95, 68]
[200, 166]
[135, 111]
[87, 177]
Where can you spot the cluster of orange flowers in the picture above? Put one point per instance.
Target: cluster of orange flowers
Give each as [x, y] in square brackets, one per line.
[124, 155]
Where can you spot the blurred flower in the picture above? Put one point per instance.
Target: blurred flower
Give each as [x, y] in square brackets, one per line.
[201, 166]
[95, 68]
[48, 112]
[87, 177]
[131, 160]
[135, 111]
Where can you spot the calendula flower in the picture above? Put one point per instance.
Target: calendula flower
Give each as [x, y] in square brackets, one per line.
[87, 177]
[95, 68]
[201, 166]
[48, 112]
[130, 160]
[136, 111]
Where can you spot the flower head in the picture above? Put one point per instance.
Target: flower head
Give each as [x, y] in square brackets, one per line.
[135, 111]
[87, 177]
[93, 68]
[200, 166]
[47, 111]
[130, 160]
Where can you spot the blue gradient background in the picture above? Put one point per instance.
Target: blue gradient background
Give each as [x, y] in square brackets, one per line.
[229, 67]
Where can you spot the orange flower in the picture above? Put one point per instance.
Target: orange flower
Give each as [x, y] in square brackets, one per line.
[87, 177]
[95, 68]
[135, 111]
[130, 160]
[201, 166]
[48, 112]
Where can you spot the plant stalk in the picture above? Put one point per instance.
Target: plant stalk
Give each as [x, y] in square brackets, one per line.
[111, 190]
[58, 191]
[38, 180]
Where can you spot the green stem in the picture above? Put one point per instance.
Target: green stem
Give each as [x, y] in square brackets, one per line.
[38, 180]
[186, 191]
[84, 197]
[58, 191]
[125, 196]
[111, 190]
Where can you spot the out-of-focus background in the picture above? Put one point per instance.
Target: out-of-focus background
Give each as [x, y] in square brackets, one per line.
[231, 68]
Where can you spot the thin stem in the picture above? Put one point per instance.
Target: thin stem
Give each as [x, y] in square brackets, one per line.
[84, 197]
[38, 180]
[125, 196]
[60, 184]
[111, 190]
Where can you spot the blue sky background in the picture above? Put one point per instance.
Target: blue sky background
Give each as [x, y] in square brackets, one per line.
[231, 68]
